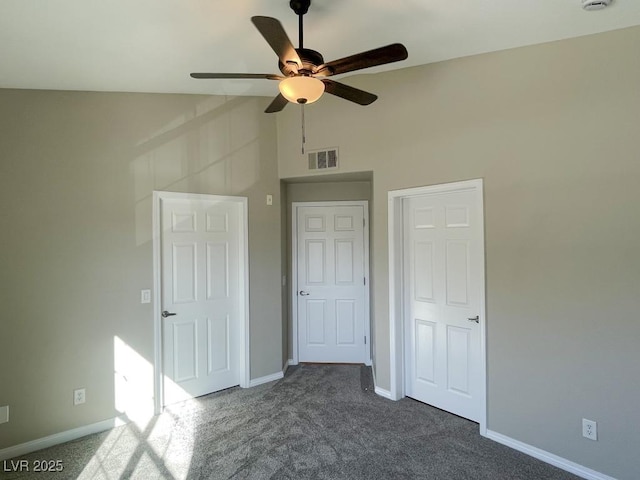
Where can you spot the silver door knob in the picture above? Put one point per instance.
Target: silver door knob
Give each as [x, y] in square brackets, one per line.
[474, 319]
[166, 314]
[303, 293]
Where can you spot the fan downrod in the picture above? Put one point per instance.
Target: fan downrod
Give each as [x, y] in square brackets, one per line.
[300, 6]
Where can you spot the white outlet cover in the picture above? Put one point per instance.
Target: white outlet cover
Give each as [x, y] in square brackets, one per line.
[4, 414]
[145, 296]
[589, 429]
[79, 396]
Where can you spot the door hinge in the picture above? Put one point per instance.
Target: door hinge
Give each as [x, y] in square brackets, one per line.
[364, 280]
[365, 340]
[364, 223]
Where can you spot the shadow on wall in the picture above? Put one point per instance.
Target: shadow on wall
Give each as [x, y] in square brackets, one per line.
[214, 149]
[78, 173]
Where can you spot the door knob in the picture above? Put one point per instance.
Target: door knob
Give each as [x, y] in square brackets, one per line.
[303, 293]
[166, 314]
[474, 319]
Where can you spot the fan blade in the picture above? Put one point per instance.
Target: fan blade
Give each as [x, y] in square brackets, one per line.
[372, 58]
[348, 93]
[278, 104]
[268, 76]
[273, 32]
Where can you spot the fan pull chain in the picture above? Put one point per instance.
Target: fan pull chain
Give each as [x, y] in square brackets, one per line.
[304, 139]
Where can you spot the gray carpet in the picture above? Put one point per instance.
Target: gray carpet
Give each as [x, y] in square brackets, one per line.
[319, 422]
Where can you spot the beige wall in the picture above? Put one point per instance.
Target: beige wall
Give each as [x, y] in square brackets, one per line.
[553, 131]
[77, 171]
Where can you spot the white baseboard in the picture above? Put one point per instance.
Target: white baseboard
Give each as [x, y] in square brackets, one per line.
[383, 393]
[266, 379]
[547, 457]
[58, 438]
[380, 391]
[290, 362]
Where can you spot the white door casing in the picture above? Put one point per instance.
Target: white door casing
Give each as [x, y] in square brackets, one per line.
[437, 297]
[331, 315]
[201, 261]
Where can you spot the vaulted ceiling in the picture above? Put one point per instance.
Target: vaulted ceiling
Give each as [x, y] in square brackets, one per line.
[153, 45]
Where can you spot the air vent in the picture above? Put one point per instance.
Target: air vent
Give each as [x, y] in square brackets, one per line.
[323, 159]
[590, 5]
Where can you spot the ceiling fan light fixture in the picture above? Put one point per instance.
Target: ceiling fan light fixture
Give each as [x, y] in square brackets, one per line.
[302, 89]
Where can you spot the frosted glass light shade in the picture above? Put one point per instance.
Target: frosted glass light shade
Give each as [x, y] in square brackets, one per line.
[301, 89]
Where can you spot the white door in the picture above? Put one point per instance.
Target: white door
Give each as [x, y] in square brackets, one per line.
[331, 286]
[201, 295]
[443, 264]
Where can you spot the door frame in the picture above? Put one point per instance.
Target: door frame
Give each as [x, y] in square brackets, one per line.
[244, 360]
[396, 285]
[294, 271]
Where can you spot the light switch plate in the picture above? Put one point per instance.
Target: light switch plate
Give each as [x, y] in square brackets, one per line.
[4, 414]
[145, 296]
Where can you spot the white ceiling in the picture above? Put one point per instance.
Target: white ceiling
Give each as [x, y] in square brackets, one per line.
[153, 45]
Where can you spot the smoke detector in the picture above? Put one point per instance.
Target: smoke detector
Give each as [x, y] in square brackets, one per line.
[590, 5]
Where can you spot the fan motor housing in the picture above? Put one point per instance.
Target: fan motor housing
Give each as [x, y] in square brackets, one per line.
[310, 59]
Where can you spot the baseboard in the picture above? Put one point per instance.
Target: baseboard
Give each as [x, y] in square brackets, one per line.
[266, 379]
[58, 438]
[290, 362]
[285, 367]
[547, 457]
[383, 393]
[380, 391]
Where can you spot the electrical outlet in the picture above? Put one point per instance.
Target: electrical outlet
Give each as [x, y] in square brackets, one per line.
[79, 396]
[589, 429]
[4, 414]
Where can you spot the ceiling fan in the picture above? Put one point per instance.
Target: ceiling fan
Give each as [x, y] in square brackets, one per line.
[304, 72]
